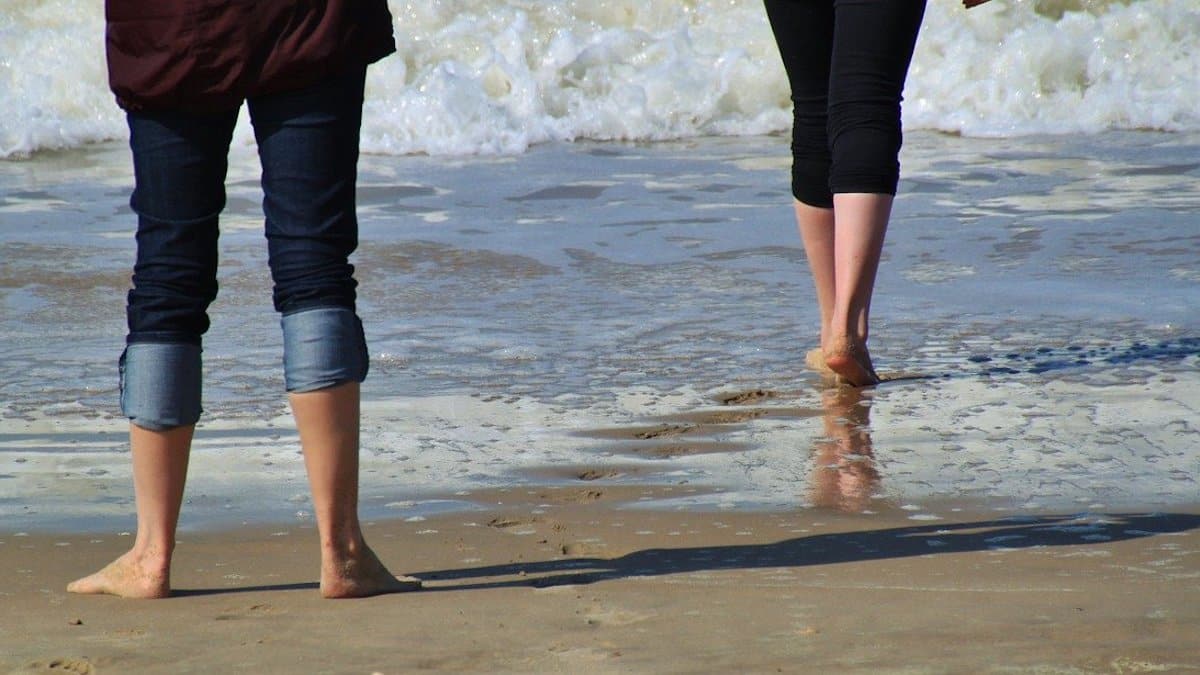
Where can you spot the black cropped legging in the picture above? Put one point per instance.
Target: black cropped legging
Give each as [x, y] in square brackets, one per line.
[846, 61]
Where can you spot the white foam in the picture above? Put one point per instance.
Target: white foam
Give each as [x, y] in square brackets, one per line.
[53, 84]
[487, 77]
[1031, 67]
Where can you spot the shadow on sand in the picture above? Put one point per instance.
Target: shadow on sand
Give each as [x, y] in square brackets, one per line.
[1014, 533]
[826, 549]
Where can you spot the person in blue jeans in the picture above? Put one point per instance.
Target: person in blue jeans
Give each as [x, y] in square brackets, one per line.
[182, 75]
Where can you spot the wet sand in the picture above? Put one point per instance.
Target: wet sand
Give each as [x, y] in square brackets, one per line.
[557, 580]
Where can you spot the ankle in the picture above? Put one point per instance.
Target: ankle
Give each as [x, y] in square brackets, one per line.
[838, 344]
[152, 558]
[343, 546]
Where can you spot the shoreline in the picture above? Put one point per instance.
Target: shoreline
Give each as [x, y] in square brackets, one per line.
[922, 449]
[627, 488]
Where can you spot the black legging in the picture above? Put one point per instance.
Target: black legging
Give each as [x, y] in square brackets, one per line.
[846, 61]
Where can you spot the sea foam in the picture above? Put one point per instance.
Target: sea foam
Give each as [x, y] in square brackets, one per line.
[497, 76]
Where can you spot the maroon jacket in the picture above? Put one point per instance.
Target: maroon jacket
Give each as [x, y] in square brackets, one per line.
[209, 55]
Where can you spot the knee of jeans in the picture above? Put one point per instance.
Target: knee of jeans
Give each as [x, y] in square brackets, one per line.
[323, 347]
[160, 384]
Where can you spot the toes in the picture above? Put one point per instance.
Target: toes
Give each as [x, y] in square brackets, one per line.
[89, 585]
[122, 581]
[403, 584]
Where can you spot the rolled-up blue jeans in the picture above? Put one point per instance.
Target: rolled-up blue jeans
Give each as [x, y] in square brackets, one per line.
[308, 147]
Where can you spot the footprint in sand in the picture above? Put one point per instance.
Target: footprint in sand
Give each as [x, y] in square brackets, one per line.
[673, 450]
[598, 474]
[246, 613]
[582, 496]
[503, 523]
[73, 666]
[582, 549]
[569, 496]
[744, 397]
[705, 420]
[119, 636]
[729, 416]
[663, 431]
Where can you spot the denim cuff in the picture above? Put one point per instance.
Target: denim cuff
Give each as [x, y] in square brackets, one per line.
[160, 384]
[323, 347]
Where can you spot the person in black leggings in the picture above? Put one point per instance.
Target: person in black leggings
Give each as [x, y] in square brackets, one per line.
[846, 62]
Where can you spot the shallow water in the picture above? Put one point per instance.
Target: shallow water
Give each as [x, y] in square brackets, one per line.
[639, 314]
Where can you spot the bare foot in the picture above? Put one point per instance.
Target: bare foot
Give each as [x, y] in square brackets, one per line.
[130, 576]
[815, 360]
[361, 576]
[851, 361]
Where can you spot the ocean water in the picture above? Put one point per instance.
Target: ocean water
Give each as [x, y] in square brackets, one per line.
[639, 313]
[579, 269]
[480, 76]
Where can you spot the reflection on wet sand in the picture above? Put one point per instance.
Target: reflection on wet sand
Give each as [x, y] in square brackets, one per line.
[844, 477]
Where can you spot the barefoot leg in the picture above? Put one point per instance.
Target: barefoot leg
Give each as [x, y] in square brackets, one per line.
[861, 223]
[160, 460]
[328, 421]
[816, 231]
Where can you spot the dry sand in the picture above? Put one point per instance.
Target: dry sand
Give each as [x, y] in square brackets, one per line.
[574, 580]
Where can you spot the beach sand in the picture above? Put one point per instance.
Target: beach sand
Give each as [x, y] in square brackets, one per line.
[569, 580]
